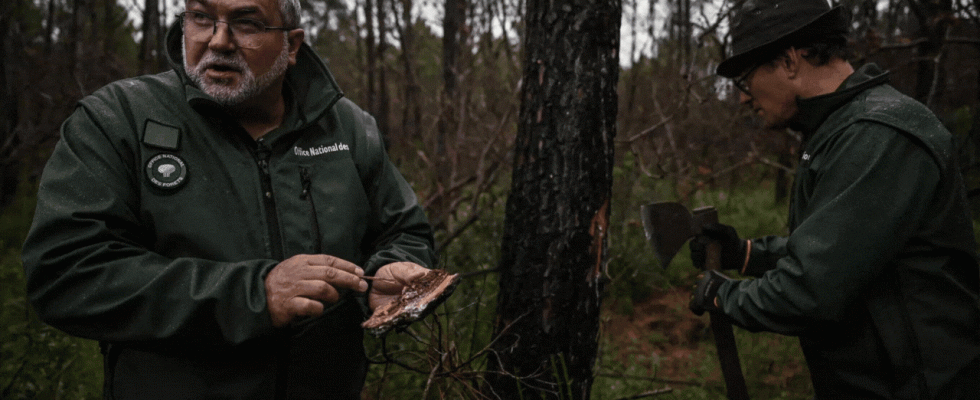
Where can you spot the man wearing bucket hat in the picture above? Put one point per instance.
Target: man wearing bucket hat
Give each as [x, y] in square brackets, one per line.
[879, 276]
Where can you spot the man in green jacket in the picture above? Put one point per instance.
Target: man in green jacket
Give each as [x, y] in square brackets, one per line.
[211, 225]
[879, 276]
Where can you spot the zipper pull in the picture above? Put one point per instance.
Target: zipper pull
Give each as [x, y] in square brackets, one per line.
[264, 153]
[304, 176]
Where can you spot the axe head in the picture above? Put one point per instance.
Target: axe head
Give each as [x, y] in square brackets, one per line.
[668, 225]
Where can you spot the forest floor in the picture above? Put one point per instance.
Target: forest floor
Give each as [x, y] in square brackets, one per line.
[658, 344]
[660, 325]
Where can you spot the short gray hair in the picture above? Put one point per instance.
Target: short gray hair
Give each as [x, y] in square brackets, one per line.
[290, 13]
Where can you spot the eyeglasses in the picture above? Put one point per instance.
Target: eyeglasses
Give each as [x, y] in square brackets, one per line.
[742, 81]
[201, 27]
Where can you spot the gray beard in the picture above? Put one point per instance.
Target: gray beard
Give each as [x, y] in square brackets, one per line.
[249, 85]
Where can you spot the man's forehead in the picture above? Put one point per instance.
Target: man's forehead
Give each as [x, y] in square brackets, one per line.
[257, 5]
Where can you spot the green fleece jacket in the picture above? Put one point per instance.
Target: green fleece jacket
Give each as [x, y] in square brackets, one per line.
[879, 276]
[158, 219]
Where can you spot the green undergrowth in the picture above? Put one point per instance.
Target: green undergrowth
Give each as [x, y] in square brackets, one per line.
[38, 361]
[649, 342]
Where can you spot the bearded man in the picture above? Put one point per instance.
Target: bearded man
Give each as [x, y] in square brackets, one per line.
[211, 225]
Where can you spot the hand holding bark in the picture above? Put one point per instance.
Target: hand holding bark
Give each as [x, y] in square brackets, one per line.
[391, 279]
[300, 285]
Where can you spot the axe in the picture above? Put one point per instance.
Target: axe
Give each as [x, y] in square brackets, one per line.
[668, 226]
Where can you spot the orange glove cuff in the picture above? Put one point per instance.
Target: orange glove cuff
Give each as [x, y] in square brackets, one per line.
[748, 251]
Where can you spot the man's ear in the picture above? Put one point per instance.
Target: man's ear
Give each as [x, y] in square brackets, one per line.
[295, 38]
[792, 61]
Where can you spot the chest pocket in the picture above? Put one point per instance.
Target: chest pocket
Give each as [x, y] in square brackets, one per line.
[323, 206]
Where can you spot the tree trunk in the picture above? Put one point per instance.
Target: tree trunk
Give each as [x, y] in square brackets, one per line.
[49, 28]
[452, 39]
[108, 27]
[372, 56]
[934, 17]
[382, 104]
[452, 43]
[151, 37]
[9, 164]
[412, 113]
[554, 244]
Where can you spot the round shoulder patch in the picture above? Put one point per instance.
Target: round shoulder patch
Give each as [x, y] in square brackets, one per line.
[166, 171]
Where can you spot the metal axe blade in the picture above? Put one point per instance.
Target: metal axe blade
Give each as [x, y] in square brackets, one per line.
[667, 226]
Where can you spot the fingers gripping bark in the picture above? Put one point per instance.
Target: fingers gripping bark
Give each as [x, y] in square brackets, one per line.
[394, 277]
[300, 285]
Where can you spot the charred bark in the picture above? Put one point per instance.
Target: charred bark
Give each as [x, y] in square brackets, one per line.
[554, 245]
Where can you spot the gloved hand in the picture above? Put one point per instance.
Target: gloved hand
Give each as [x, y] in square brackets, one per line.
[733, 248]
[705, 292]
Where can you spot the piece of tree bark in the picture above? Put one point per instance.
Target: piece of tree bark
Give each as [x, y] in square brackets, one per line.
[418, 299]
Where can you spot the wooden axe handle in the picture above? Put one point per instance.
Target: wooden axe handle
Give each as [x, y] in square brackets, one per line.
[721, 325]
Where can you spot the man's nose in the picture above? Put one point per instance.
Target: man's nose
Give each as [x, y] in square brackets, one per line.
[221, 41]
[744, 98]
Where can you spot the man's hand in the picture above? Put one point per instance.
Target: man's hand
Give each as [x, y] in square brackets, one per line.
[300, 285]
[705, 296]
[734, 251]
[390, 280]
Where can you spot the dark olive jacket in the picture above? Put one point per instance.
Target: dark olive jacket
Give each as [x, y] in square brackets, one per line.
[879, 275]
[158, 219]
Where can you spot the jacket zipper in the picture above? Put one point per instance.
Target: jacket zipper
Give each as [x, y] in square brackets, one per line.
[262, 154]
[304, 174]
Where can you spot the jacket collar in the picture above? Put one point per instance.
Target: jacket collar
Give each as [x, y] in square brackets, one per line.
[813, 111]
[311, 87]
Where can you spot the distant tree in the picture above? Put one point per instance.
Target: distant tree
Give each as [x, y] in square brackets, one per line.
[452, 40]
[554, 244]
[9, 56]
[151, 52]
[405, 25]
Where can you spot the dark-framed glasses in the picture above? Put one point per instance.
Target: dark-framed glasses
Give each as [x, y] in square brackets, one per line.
[742, 81]
[201, 27]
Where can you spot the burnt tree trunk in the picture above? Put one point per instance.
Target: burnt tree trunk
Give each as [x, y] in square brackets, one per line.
[555, 247]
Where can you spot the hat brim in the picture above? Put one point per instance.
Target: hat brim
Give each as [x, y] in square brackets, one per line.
[737, 63]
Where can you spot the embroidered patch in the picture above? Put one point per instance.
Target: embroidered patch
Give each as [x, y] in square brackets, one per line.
[166, 171]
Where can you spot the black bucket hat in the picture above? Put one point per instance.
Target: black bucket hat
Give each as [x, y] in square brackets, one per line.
[760, 23]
